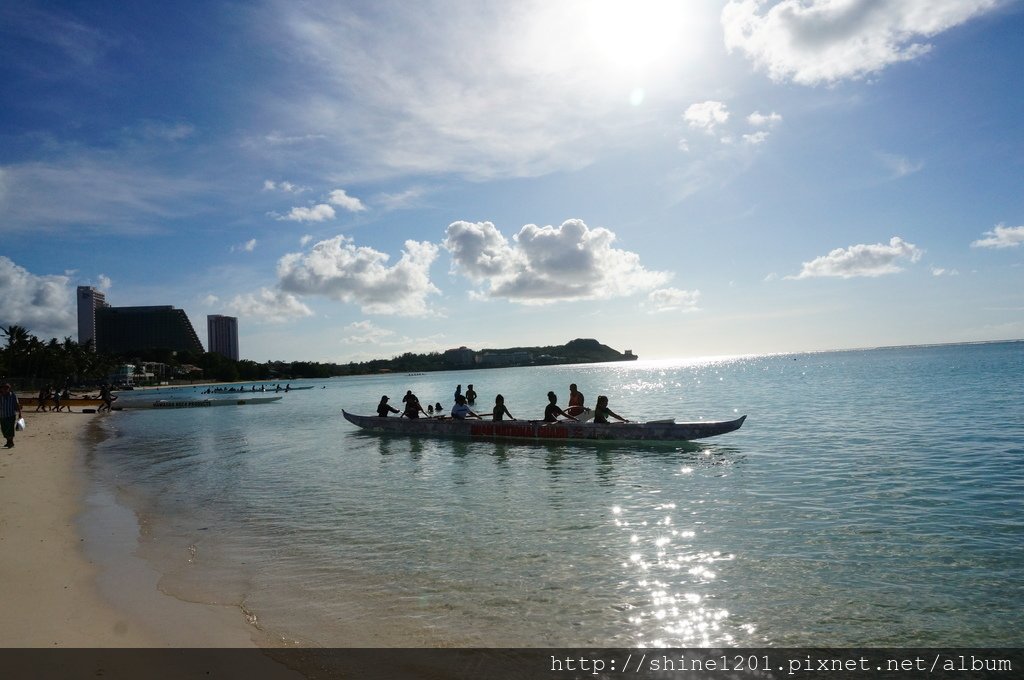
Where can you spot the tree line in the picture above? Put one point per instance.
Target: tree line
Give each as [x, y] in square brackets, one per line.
[28, 362]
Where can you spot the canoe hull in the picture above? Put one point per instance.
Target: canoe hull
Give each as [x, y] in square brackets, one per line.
[74, 402]
[528, 430]
[199, 403]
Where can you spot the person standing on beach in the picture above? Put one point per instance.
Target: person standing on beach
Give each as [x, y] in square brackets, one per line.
[44, 396]
[10, 412]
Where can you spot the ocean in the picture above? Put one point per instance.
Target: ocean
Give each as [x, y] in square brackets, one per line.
[872, 498]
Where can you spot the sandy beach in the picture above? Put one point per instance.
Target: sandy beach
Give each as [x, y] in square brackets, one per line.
[50, 586]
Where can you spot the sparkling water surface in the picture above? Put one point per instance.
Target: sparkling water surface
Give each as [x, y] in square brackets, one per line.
[872, 498]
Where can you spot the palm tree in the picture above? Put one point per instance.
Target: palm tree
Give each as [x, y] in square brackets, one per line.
[17, 346]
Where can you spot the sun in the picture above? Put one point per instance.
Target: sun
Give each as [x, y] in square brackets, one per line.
[618, 46]
[634, 36]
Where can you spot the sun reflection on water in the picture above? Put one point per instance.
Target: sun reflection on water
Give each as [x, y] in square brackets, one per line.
[670, 581]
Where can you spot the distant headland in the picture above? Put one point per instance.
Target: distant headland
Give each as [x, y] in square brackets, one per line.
[579, 351]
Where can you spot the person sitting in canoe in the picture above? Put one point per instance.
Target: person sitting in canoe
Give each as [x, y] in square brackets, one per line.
[553, 410]
[461, 410]
[500, 411]
[384, 408]
[412, 406]
[601, 411]
[576, 406]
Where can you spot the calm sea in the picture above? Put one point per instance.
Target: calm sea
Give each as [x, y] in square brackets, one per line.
[872, 498]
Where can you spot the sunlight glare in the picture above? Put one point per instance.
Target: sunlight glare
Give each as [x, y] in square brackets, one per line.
[627, 50]
[635, 35]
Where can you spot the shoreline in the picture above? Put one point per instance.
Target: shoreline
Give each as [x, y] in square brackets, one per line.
[69, 575]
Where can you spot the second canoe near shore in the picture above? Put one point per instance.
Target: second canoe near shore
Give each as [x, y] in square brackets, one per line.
[196, 403]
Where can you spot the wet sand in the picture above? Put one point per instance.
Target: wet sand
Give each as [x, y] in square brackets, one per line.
[54, 593]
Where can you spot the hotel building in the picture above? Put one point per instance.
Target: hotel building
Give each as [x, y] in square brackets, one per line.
[222, 335]
[89, 300]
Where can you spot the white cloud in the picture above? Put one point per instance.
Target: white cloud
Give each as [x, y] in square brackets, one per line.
[209, 300]
[286, 187]
[404, 199]
[42, 304]
[824, 41]
[341, 199]
[270, 305]
[96, 191]
[901, 166]
[713, 119]
[318, 213]
[247, 247]
[545, 264]
[399, 91]
[339, 270]
[480, 251]
[758, 119]
[366, 332]
[673, 300]
[706, 116]
[1001, 237]
[941, 271]
[862, 260]
[305, 240]
[104, 283]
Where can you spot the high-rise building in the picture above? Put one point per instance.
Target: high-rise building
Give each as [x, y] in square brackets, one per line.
[129, 330]
[222, 335]
[89, 300]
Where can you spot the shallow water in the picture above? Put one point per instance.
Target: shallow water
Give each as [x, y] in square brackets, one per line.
[872, 498]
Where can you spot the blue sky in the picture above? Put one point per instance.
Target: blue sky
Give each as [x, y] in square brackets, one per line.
[357, 180]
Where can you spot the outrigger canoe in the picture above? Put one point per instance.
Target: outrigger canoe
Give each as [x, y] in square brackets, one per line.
[535, 430]
[198, 403]
[72, 401]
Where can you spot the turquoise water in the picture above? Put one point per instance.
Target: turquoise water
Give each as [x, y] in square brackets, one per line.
[872, 498]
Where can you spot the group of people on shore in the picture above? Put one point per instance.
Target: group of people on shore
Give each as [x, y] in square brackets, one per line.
[53, 399]
[462, 407]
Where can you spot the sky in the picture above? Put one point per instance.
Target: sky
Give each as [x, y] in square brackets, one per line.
[357, 180]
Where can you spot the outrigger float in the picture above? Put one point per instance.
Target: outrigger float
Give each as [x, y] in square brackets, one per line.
[535, 430]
